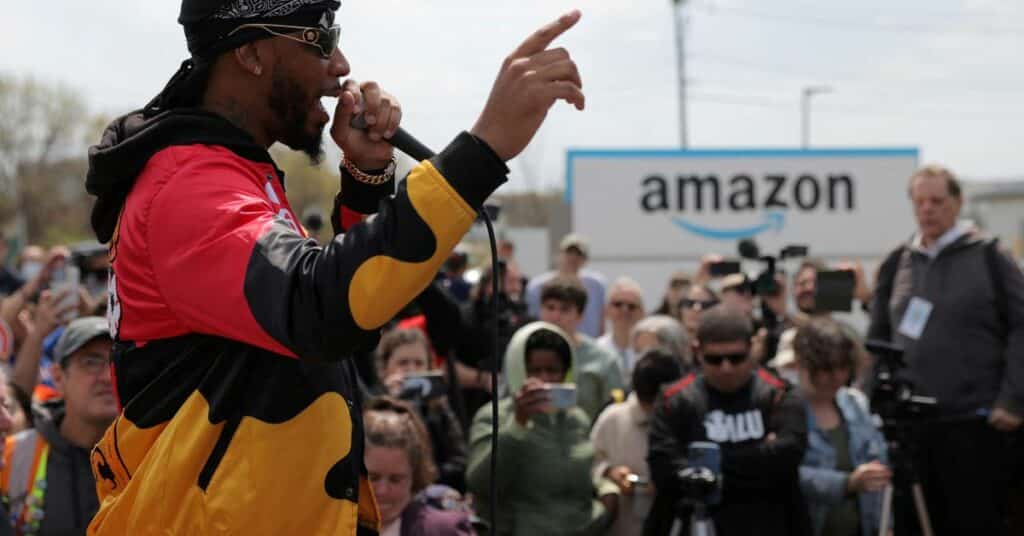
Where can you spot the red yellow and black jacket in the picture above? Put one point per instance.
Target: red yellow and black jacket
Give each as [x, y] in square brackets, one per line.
[232, 327]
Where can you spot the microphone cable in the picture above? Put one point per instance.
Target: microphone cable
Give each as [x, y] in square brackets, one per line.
[409, 145]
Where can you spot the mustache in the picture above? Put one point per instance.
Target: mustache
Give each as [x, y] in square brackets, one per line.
[333, 90]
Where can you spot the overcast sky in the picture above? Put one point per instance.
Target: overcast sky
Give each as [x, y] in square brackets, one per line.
[941, 75]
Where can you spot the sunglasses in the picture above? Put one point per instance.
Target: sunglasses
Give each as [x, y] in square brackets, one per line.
[716, 360]
[326, 39]
[687, 303]
[628, 306]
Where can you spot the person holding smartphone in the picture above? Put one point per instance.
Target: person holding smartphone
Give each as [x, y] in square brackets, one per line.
[545, 457]
[620, 439]
[403, 361]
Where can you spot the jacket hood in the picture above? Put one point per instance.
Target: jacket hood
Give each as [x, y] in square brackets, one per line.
[47, 419]
[515, 354]
[968, 234]
[131, 140]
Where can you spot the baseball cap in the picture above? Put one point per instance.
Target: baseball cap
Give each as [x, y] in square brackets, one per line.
[577, 242]
[79, 333]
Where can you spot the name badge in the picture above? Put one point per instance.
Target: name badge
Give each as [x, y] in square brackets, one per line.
[916, 318]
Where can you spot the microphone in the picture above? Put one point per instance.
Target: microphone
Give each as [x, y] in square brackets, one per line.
[400, 140]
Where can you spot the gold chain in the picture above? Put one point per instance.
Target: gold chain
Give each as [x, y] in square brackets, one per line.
[366, 178]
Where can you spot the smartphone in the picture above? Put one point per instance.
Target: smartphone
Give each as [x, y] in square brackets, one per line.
[426, 386]
[65, 280]
[563, 395]
[794, 250]
[638, 481]
[723, 268]
[834, 290]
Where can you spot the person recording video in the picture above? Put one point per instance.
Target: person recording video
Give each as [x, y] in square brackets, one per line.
[545, 454]
[232, 328]
[953, 301]
[403, 361]
[759, 424]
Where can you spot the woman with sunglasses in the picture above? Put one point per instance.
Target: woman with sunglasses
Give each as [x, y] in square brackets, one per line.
[677, 286]
[696, 299]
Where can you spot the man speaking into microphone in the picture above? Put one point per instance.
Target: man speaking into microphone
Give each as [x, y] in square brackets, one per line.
[232, 328]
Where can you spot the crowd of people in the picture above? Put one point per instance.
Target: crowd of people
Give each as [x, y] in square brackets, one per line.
[600, 396]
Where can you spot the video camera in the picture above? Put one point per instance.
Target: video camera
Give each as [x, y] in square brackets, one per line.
[892, 396]
[701, 481]
[764, 284]
[701, 486]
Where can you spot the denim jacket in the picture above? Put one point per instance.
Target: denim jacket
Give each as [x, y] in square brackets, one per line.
[823, 486]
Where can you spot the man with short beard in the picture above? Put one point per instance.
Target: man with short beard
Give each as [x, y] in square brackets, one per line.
[232, 327]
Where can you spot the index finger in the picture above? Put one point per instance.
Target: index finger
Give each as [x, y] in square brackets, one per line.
[544, 36]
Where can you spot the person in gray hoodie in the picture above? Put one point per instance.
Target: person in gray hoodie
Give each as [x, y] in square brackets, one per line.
[48, 484]
[955, 303]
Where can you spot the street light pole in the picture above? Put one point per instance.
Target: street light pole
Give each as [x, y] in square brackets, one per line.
[680, 24]
[805, 111]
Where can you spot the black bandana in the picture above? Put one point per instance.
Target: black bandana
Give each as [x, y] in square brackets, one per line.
[208, 22]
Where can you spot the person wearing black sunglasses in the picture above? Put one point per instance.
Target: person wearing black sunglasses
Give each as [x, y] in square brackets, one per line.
[757, 420]
[234, 329]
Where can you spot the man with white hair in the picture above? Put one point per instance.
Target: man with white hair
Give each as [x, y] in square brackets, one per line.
[623, 309]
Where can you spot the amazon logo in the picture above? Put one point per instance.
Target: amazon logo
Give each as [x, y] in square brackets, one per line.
[766, 197]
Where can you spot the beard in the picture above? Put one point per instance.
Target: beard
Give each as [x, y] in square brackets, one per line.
[291, 106]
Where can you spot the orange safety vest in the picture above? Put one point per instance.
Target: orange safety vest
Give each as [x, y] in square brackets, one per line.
[22, 480]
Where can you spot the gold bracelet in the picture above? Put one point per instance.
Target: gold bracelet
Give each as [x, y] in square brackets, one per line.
[366, 178]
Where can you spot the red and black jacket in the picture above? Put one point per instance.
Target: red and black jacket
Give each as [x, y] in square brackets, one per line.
[761, 493]
[233, 328]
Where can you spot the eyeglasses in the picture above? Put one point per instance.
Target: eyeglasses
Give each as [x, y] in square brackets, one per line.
[325, 39]
[93, 363]
[628, 306]
[687, 303]
[716, 360]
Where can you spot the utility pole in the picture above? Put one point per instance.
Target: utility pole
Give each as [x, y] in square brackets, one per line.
[805, 111]
[680, 23]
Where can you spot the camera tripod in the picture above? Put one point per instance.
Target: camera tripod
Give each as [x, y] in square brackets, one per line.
[698, 483]
[700, 522]
[905, 477]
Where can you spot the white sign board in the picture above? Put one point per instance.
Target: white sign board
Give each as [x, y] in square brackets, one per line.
[666, 205]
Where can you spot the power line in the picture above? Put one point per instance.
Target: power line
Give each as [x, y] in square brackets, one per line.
[845, 80]
[826, 108]
[888, 9]
[853, 24]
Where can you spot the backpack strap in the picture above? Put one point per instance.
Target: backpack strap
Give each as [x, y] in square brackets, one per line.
[998, 285]
[885, 281]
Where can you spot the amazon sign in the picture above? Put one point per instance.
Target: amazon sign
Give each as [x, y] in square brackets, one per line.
[671, 206]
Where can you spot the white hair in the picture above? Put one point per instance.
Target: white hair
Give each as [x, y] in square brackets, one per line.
[670, 334]
[628, 284]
